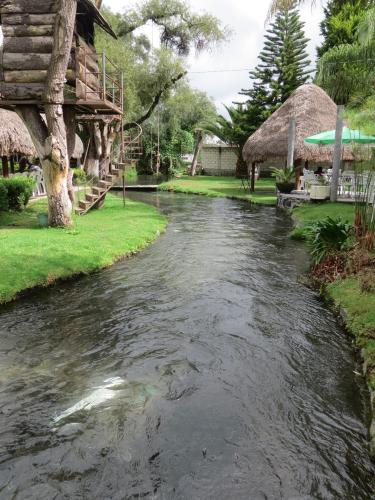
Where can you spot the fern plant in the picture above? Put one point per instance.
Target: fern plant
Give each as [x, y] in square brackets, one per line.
[328, 236]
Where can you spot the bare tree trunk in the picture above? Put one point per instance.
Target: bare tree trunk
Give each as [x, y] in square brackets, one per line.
[56, 161]
[102, 136]
[70, 125]
[51, 141]
[11, 159]
[198, 147]
[337, 153]
[241, 166]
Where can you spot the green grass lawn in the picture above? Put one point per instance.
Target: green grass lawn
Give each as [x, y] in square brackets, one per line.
[34, 256]
[347, 293]
[310, 212]
[223, 187]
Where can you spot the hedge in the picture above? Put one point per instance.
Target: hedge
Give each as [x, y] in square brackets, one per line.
[15, 192]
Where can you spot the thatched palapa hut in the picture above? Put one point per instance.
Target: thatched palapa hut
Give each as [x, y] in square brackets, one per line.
[314, 111]
[15, 140]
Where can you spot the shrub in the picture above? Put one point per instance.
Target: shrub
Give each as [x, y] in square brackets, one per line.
[79, 176]
[328, 236]
[19, 190]
[283, 174]
[4, 205]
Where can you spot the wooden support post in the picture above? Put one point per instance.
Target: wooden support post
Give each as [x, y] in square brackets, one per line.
[4, 161]
[297, 167]
[253, 169]
[291, 141]
[12, 171]
[104, 77]
[337, 153]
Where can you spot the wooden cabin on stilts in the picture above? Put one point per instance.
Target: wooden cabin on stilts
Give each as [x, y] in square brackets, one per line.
[93, 89]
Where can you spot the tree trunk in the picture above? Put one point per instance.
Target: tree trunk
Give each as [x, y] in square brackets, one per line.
[241, 166]
[198, 147]
[51, 141]
[70, 125]
[4, 161]
[337, 153]
[12, 170]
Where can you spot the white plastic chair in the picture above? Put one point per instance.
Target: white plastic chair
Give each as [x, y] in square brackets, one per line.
[37, 174]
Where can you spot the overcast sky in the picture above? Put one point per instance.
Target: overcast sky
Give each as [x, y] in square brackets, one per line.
[246, 19]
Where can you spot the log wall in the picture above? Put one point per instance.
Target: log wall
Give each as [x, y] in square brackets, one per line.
[28, 27]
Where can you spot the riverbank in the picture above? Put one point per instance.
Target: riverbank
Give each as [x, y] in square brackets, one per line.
[32, 256]
[223, 187]
[352, 298]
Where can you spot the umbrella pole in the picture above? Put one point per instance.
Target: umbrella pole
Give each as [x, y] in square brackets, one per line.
[337, 153]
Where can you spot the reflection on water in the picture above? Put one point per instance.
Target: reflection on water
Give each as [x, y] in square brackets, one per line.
[199, 369]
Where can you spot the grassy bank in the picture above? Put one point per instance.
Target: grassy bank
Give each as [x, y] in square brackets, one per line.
[223, 187]
[355, 304]
[33, 256]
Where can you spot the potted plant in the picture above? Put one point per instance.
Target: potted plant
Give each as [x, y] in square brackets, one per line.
[320, 190]
[285, 179]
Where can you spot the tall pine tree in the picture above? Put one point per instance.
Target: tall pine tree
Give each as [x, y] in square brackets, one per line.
[284, 63]
[340, 23]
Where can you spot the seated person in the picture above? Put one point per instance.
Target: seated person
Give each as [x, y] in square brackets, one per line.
[319, 171]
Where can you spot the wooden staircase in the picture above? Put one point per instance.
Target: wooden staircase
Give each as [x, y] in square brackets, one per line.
[96, 196]
[132, 151]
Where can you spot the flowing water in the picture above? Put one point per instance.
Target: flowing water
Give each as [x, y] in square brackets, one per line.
[198, 369]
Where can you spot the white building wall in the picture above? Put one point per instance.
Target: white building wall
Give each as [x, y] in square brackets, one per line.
[218, 160]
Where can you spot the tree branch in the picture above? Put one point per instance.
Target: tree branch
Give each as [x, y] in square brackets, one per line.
[155, 102]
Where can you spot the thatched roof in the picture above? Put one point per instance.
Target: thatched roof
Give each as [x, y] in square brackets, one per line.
[15, 138]
[314, 112]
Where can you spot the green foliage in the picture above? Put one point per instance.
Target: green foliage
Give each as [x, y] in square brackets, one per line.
[340, 23]
[19, 190]
[149, 72]
[4, 205]
[283, 175]
[180, 28]
[175, 121]
[79, 176]
[328, 236]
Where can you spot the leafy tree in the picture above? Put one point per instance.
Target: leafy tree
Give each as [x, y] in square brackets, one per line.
[283, 62]
[180, 28]
[340, 23]
[174, 126]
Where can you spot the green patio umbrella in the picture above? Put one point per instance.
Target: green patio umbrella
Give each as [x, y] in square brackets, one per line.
[348, 136]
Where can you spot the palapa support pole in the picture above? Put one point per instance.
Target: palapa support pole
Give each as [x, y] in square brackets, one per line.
[4, 161]
[291, 141]
[337, 153]
[252, 186]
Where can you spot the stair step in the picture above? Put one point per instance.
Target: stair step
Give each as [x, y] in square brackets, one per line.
[91, 197]
[105, 185]
[97, 190]
[109, 178]
[115, 171]
[79, 211]
[84, 204]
